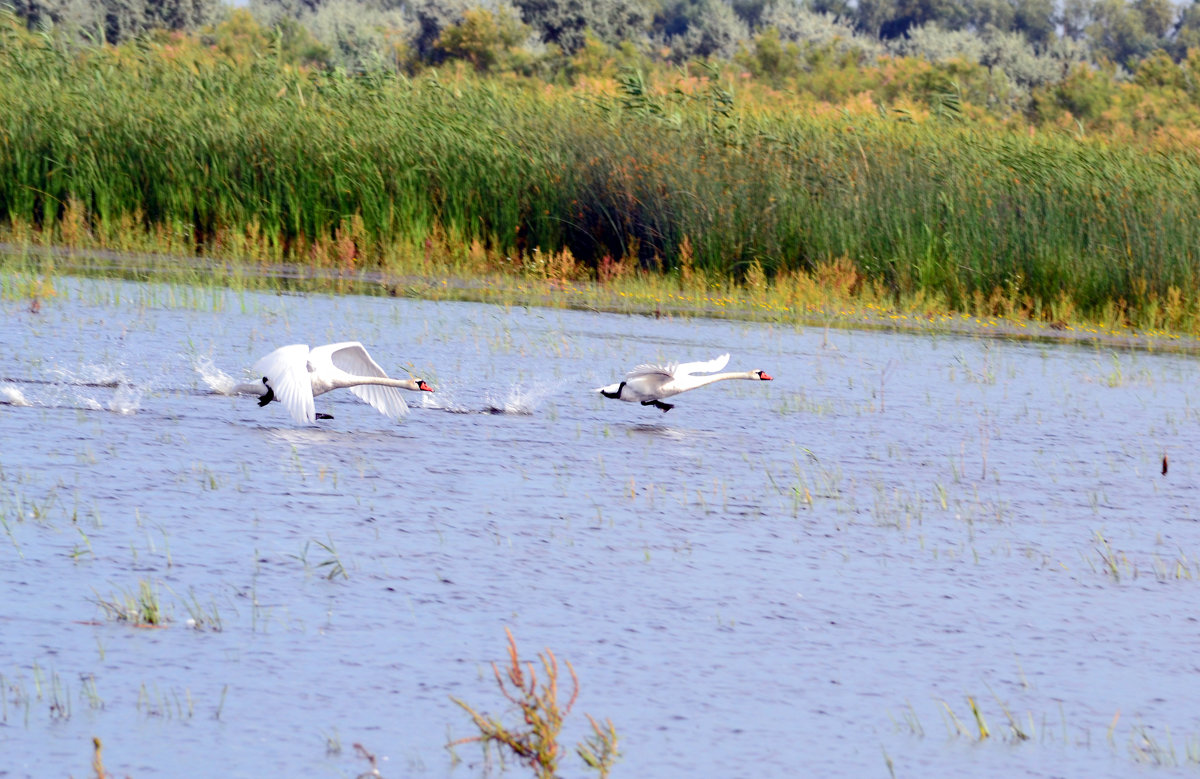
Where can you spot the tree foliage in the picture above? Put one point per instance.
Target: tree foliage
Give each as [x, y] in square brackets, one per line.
[1037, 57]
[113, 21]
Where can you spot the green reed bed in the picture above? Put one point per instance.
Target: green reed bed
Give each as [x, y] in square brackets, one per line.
[269, 163]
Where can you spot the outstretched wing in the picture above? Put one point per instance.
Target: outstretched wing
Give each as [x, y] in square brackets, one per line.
[664, 371]
[286, 372]
[711, 366]
[352, 357]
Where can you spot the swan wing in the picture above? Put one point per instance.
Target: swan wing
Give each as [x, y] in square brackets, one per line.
[386, 400]
[646, 369]
[286, 372]
[709, 366]
[352, 358]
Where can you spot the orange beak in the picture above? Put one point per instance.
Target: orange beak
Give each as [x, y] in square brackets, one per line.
[764, 376]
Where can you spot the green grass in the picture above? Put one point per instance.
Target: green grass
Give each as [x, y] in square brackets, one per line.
[141, 609]
[171, 149]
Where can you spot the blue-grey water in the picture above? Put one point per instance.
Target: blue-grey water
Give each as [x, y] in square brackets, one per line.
[815, 576]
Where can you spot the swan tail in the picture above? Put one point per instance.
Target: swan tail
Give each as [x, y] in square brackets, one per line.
[612, 390]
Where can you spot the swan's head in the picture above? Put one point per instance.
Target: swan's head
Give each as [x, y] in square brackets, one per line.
[763, 375]
[423, 387]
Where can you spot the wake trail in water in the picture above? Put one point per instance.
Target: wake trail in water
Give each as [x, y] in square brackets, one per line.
[12, 396]
[92, 375]
[127, 399]
[521, 400]
[74, 389]
[517, 400]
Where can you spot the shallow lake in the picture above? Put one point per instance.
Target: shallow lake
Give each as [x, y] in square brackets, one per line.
[817, 576]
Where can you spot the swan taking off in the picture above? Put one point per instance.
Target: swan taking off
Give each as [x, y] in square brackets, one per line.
[649, 384]
[294, 375]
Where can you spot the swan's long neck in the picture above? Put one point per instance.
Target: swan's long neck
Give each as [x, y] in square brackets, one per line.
[383, 381]
[692, 382]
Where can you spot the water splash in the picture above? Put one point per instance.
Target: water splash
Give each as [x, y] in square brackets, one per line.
[126, 400]
[520, 400]
[443, 399]
[12, 396]
[93, 376]
[216, 379]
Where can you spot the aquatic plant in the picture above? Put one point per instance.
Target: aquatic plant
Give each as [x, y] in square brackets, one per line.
[141, 608]
[153, 702]
[362, 752]
[599, 750]
[201, 617]
[536, 744]
[958, 728]
[1114, 564]
[333, 563]
[98, 760]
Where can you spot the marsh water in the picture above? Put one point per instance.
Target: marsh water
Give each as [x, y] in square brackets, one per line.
[823, 575]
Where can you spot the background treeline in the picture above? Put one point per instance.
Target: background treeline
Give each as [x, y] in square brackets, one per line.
[891, 174]
[1022, 44]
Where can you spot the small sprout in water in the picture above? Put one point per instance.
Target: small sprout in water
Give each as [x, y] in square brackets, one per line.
[334, 563]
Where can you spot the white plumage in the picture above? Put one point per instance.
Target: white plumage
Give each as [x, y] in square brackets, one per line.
[649, 384]
[296, 374]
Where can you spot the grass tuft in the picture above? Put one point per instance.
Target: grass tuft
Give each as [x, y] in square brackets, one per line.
[140, 609]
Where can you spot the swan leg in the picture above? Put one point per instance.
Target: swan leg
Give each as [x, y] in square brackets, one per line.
[659, 404]
[324, 416]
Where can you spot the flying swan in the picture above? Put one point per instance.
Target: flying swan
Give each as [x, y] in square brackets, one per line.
[649, 384]
[294, 375]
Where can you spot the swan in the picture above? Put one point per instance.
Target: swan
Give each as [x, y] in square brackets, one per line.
[294, 375]
[649, 384]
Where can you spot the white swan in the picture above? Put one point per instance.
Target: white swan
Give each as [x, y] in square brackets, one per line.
[294, 375]
[649, 384]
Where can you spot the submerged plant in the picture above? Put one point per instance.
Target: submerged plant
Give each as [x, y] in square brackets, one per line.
[536, 744]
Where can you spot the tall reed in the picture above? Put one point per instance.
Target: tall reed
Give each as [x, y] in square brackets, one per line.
[257, 158]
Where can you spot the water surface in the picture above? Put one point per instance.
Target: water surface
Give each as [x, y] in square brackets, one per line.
[804, 577]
